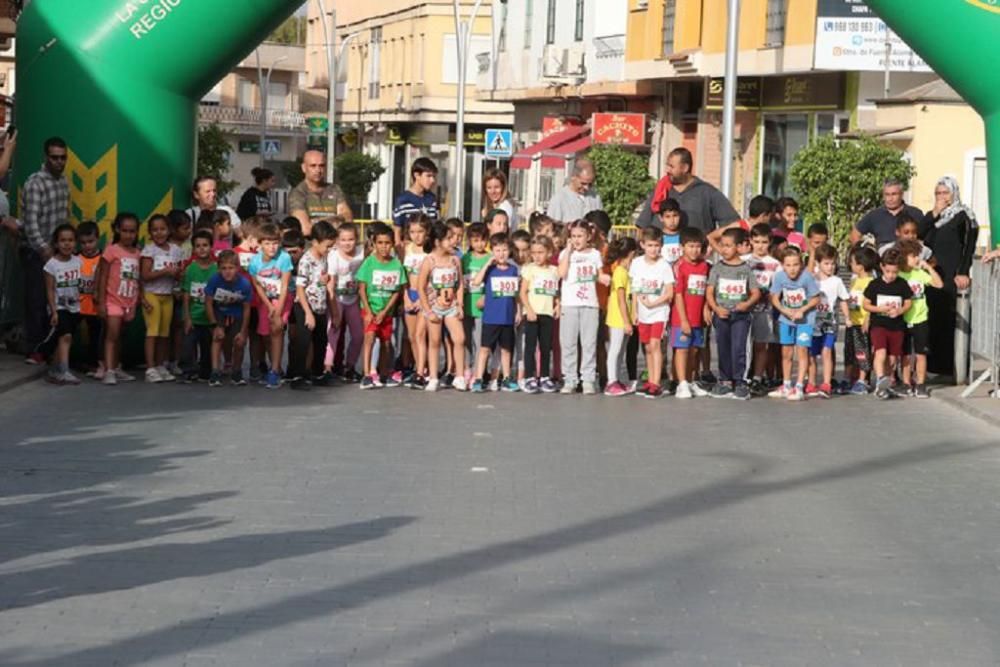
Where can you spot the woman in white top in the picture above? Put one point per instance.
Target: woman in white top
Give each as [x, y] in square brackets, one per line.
[496, 196]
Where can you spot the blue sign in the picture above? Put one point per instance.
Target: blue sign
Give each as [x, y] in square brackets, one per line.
[499, 143]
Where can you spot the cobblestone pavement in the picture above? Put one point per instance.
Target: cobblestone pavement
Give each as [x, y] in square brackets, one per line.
[177, 525]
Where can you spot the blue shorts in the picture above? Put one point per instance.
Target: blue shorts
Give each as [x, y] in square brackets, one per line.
[823, 342]
[800, 335]
[681, 342]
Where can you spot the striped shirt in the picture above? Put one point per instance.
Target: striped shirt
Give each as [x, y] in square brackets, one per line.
[409, 204]
[46, 206]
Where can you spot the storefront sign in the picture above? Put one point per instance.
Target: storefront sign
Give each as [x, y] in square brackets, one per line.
[318, 124]
[807, 91]
[394, 136]
[849, 36]
[553, 124]
[747, 93]
[812, 91]
[619, 128]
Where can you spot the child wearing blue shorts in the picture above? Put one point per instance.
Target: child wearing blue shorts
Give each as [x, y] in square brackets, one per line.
[794, 295]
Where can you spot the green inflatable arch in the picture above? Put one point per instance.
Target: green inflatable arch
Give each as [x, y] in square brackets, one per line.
[958, 38]
[120, 80]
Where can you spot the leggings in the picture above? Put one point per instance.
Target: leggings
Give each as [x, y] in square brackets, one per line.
[617, 343]
[95, 339]
[300, 341]
[351, 323]
[632, 358]
[537, 334]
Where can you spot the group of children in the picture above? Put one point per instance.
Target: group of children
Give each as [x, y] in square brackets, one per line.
[483, 308]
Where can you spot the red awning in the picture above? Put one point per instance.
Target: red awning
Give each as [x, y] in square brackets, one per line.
[523, 158]
[556, 158]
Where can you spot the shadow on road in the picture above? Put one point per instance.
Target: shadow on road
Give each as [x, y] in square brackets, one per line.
[738, 488]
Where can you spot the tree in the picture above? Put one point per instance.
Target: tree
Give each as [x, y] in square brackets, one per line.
[356, 173]
[213, 157]
[838, 181]
[622, 180]
[292, 31]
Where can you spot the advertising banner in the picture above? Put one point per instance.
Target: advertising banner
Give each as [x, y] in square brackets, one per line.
[850, 36]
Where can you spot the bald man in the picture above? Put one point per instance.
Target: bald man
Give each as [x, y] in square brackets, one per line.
[578, 197]
[314, 199]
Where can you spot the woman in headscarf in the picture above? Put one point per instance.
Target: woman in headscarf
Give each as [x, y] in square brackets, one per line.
[950, 230]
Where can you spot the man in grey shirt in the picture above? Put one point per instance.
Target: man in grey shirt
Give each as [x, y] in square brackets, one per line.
[702, 205]
[577, 198]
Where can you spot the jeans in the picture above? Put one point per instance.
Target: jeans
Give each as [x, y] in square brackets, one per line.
[731, 340]
[617, 344]
[579, 323]
[300, 341]
[198, 342]
[36, 305]
[537, 335]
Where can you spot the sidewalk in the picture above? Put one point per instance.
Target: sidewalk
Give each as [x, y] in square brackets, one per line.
[980, 405]
[14, 372]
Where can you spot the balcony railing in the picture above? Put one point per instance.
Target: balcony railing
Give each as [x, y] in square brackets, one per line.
[277, 118]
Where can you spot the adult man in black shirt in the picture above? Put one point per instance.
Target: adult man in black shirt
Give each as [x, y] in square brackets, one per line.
[881, 222]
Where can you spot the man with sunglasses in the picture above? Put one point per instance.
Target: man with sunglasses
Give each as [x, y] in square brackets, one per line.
[578, 197]
[46, 206]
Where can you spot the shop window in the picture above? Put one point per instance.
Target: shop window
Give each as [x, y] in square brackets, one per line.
[669, 14]
[832, 123]
[784, 136]
[546, 187]
[777, 10]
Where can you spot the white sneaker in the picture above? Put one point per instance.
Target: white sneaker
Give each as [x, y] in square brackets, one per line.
[494, 384]
[432, 385]
[122, 376]
[110, 378]
[589, 389]
[152, 375]
[632, 386]
[460, 384]
[97, 374]
[165, 374]
[697, 390]
[69, 378]
[568, 388]
[684, 391]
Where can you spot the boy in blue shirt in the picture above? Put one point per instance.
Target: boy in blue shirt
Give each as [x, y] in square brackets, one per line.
[271, 270]
[418, 198]
[794, 295]
[227, 303]
[501, 311]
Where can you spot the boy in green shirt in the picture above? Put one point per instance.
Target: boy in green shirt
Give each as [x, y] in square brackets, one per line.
[380, 280]
[918, 273]
[197, 328]
[472, 261]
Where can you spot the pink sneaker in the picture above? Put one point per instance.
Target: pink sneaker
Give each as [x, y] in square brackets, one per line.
[615, 389]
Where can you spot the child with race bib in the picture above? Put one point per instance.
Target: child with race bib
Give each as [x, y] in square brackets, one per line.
[380, 278]
[621, 254]
[197, 326]
[439, 285]
[540, 305]
[227, 307]
[795, 295]
[160, 267]
[62, 291]
[343, 263]
[271, 271]
[580, 269]
[501, 313]
[652, 282]
[414, 353]
[118, 291]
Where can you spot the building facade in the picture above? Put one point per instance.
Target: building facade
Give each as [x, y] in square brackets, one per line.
[807, 68]
[236, 105]
[397, 90]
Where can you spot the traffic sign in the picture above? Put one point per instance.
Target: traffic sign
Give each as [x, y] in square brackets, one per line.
[499, 143]
[272, 146]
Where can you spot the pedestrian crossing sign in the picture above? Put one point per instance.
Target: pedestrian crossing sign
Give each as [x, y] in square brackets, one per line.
[499, 143]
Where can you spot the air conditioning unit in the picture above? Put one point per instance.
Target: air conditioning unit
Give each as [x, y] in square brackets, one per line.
[553, 62]
[576, 62]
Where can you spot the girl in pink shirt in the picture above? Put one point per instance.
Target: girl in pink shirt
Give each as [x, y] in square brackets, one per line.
[118, 291]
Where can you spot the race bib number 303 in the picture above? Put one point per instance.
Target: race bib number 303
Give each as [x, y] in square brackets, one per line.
[505, 286]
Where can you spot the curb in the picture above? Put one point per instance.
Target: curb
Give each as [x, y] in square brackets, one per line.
[964, 405]
[10, 385]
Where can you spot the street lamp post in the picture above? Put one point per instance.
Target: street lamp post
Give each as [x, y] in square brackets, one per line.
[729, 98]
[463, 34]
[331, 63]
[264, 82]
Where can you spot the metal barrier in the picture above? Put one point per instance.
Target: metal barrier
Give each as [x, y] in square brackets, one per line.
[985, 323]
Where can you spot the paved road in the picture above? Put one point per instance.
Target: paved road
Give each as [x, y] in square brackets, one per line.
[190, 526]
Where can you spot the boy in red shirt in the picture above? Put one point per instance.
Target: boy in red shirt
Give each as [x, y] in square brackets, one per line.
[687, 320]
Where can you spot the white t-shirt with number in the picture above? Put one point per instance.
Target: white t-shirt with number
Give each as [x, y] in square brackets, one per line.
[579, 287]
[67, 279]
[831, 291]
[649, 280]
[343, 270]
[171, 257]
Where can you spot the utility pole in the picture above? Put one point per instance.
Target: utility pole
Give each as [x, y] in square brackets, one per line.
[729, 95]
[264, 83]
[463, 33]
[329, 36]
